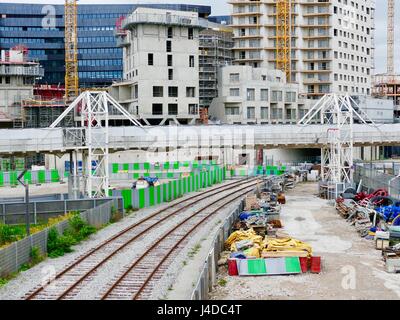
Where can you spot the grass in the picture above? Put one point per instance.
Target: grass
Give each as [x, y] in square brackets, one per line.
[194, 250]
[12, 233]
[222, 282]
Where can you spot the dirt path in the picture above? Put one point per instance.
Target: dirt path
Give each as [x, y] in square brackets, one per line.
[352, 268]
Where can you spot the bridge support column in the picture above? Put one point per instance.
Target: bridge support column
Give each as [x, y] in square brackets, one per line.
[73, 178]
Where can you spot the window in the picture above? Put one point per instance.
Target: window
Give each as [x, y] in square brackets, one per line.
[251, 112]
[190, 33]
[234, 92]
[172, 109]
[190, 92]
[169, 60]
[170, 32]
[158, 91]
[193, 109]
[157, 108]
[276, 96]
[229, 111]
[251, 94]
[191, 61]
[170, 74]
[135, 91]
[234, 77]
[264, 113]
[264, 94]
[173, 92]
[169, 46]
[150, 59]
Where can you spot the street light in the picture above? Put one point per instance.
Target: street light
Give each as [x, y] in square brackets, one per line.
[26, 186]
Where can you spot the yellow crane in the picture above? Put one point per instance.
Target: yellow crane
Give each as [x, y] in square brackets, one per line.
[71, 51]
[283, 37]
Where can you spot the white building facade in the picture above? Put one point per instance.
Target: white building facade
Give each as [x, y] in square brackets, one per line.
[161, 66]
[250, 95]
[332, 42]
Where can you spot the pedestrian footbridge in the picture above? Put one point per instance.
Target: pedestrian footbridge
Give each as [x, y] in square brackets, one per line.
[63, 140]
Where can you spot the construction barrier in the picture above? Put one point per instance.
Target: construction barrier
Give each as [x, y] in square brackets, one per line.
[9, 178]
[166, 192]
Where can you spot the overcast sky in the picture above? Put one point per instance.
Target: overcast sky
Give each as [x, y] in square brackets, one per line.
[220, 7]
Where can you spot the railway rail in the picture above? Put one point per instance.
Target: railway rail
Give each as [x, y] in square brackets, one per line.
[67, 283]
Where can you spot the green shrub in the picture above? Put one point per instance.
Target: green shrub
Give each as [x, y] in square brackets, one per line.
[58, 245]
[77, 231]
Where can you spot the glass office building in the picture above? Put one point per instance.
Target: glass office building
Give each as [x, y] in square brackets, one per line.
[100, 60]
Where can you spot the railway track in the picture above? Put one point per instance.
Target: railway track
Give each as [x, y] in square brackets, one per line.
[69, 281]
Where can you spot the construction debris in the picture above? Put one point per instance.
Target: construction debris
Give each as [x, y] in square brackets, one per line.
[375, 216]
[258, 246]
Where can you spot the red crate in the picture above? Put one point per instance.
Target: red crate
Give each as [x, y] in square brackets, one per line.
[304, 264]
[232, 267]
[315, 264]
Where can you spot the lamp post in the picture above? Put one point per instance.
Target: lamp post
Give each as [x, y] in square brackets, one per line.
[26, 186]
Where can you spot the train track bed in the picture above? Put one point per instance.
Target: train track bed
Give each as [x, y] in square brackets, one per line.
[31, 279]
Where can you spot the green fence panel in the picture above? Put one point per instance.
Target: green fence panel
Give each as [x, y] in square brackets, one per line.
[28, 177]
[127, 197]
[186, 164]
[146, 166]
[125, 167]
[165, 187]
[184, 189]
[151, 196]
[158, 191]
[1, 179]
[166, 166]
[41, 176]
[175, 189]
[136, 176]
[170, 189]
[55, 177]
[170, 175]
[115, 167]
[136, 166]
[142, 198]
[146, 174]
[13, 178]
[176, 165]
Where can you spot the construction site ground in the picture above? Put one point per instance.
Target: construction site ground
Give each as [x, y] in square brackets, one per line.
[351, 266]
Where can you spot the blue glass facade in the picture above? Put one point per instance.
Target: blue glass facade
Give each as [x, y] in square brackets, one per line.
[100, 60]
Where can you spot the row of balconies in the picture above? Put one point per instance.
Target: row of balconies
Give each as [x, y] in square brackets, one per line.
[11, 70]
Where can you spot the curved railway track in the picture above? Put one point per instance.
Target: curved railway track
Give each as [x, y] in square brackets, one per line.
[71, 278]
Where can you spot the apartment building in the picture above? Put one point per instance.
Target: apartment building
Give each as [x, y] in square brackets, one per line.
[330, 45]
[249, 95]
[161, 66]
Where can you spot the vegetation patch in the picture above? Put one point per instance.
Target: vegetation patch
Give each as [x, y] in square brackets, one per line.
[78, 230]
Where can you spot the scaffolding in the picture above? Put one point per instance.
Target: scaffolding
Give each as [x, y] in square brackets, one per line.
[71, 51]
[283, 37]
[215, 52]
[390, 38]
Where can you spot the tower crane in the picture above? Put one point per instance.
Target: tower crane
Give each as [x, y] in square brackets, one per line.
[71, 51]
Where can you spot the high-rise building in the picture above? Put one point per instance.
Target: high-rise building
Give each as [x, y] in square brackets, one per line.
[329, 44]
[40, 27]
[161, 66]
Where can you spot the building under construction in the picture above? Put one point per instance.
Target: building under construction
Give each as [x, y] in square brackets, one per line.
[215, 44]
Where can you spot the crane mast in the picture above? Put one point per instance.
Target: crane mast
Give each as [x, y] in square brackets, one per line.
[71, 51]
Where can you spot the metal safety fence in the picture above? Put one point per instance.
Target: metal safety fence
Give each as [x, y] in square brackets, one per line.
[373, 176]
[19, 252]
[41, 211]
